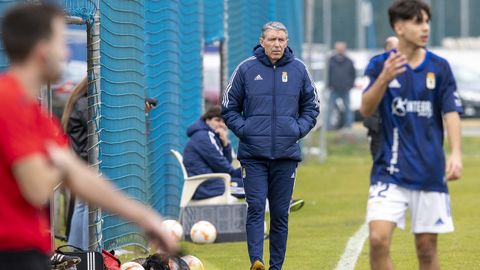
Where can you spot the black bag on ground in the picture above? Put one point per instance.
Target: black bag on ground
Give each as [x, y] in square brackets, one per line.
[91, 260]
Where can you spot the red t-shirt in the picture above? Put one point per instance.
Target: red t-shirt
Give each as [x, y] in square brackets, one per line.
[24, 130]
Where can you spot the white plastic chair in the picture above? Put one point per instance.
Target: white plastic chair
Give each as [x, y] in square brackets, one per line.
[191, 184]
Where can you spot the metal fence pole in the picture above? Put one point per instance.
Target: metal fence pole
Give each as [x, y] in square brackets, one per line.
[309, 32]
[327, 40]
[93, 43]
[440, 12]
[464, 18]
[360, 25]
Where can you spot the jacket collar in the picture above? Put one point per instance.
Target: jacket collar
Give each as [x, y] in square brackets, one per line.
[287, 57]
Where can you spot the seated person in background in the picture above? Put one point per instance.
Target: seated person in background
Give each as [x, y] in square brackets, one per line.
[209, 151]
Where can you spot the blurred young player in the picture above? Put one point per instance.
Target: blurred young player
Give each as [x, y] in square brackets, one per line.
[34, 156]
[415, 93]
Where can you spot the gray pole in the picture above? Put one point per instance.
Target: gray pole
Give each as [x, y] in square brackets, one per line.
[327, 40]
[464, 18]
[93, 43]
[309, 31]
[441, 21]
[327, 23]
[360, 26]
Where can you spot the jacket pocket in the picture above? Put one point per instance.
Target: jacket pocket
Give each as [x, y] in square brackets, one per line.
[299, 130]
[287, 126]
[245, 128]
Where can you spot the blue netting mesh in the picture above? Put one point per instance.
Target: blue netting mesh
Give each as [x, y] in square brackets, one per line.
[213, 20]
[163, 80]
[245, 20]
[122, 133]
[84, 9]
[173, 50]
[191, 37]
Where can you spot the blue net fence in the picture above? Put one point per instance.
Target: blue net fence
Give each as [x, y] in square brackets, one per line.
[84, 9]
[191, 49]
[213, 16]
[174, 79]
[122, 130]
[163, 80]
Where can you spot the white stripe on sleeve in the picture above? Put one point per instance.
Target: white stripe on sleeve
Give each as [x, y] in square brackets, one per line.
[225, 99]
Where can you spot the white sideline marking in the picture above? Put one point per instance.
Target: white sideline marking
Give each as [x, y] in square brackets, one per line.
[353, 249]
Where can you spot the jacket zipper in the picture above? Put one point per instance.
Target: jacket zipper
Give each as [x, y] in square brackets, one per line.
[273, 114]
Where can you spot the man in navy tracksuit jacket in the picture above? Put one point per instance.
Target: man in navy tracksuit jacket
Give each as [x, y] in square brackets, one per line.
[270, 103]
[209, 151]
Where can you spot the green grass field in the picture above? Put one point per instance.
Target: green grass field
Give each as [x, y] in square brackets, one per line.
[335, 194]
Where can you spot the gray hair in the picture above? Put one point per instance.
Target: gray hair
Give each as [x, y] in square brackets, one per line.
[273, 26]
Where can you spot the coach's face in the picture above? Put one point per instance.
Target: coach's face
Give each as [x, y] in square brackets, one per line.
[416, 30]
[274, 42]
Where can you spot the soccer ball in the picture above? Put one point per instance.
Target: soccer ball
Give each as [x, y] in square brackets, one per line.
[203, 232]
[174, 228]
[193, 262]
[131, 266]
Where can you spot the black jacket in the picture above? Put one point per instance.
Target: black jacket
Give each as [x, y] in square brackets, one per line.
[341, 73]
[77, 128]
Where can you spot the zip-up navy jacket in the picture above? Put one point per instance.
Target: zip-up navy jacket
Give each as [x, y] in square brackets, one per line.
[270, 107]
[204, 153]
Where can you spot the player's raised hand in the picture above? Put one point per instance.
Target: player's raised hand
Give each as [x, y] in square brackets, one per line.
[454, 167]
[394, 65]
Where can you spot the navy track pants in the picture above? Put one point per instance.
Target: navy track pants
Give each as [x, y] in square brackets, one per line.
[273, 180]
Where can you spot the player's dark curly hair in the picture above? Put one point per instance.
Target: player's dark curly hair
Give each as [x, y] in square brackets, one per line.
[404, 10]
